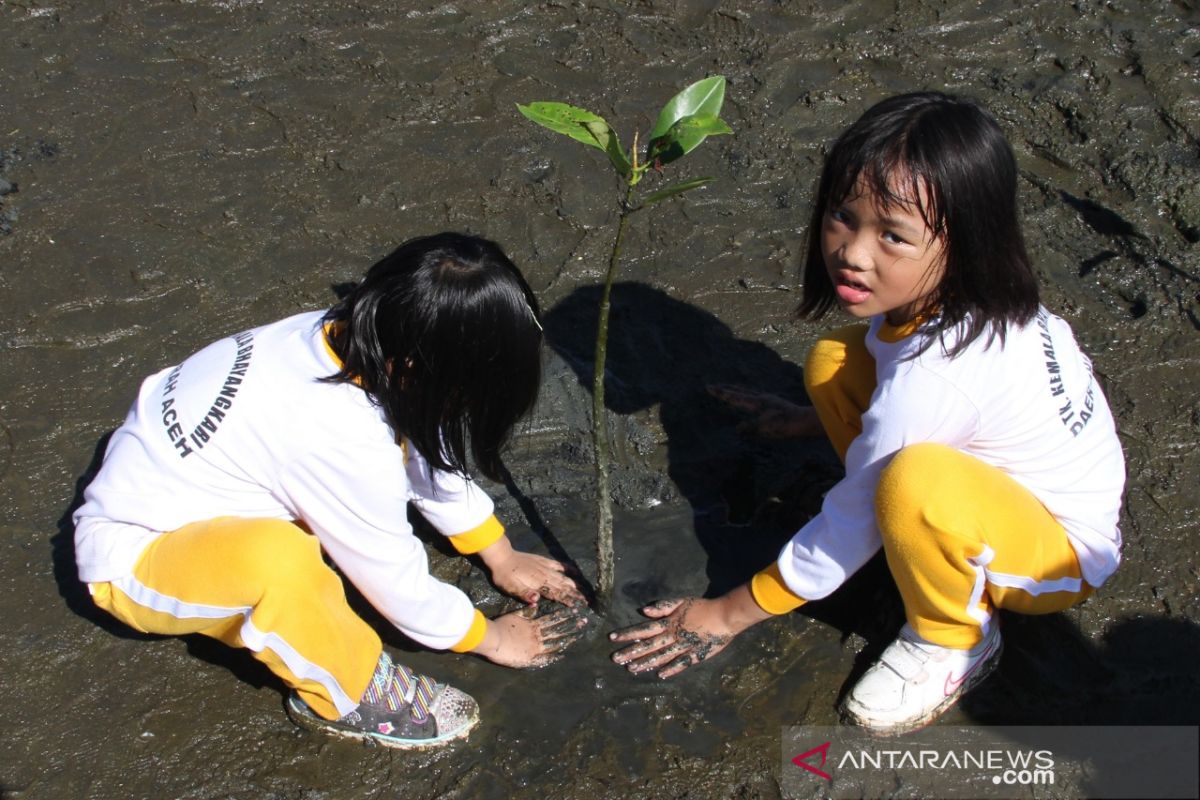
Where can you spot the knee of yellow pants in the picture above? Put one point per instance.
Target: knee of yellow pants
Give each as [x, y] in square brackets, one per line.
[910, 498]
[829, 355]
[914, 475]
[927, 548]
[947, 520]
[839, 376]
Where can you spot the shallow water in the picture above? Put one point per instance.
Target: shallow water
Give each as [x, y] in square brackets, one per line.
[176, 171]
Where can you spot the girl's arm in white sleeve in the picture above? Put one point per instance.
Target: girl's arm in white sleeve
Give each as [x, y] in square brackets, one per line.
[920, 406]
[453, 504]
[354, 497]
[463, 512]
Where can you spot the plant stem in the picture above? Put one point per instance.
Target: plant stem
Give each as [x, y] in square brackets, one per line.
[604, 544]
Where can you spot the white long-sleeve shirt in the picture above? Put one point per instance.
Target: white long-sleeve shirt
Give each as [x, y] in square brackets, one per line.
[1030, 407]
[245, 428]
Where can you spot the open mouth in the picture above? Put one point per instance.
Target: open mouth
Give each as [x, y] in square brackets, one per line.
[849, 290]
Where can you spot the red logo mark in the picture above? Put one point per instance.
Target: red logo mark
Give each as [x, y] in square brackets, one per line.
[953, 683]
[801, 761]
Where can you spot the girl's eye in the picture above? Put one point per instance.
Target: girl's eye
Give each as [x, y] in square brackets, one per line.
[892, 238]
[837, 215]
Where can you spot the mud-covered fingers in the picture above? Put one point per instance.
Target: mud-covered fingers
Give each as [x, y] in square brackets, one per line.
[679, 665]
[567, 626]
[553, 645]
[563, 643]
[559, 616]
[561, 589]
[637, 632]
[644, 647]
[667, 655]
[663, 608]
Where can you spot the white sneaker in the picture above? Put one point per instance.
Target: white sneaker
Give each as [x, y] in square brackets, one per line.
[915, 681]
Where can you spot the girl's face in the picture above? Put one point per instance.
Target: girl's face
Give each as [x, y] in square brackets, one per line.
[881, 261]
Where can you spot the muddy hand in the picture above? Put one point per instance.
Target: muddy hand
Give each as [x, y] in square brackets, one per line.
[773, 417]
[527, 576]
[681, 632]
[531, 577]
[516, 639]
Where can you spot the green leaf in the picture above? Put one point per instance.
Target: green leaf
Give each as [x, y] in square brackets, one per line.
[606, 139]
[582, 126]
[564, 119]
[685, 136]
[702, 97]
[671, 191]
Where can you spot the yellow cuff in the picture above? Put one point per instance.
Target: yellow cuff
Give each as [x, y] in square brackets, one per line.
[477, 539]
[474, 634]
[772, 594]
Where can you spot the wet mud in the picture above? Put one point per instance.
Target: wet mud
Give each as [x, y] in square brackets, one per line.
[171, 172]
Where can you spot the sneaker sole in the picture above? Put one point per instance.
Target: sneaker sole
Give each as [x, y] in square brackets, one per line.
[982, 672]
[299, 712]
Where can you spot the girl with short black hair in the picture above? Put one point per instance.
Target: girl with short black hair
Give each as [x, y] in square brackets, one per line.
[237, 469]
[980, 453]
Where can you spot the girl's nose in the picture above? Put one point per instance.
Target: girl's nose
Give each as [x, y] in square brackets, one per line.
[856, 254]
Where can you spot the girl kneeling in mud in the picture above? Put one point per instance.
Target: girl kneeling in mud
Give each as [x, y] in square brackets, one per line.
[980, 453]
[236, 469]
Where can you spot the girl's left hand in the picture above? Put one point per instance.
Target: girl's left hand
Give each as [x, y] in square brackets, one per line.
[520, 640]
[530, 577]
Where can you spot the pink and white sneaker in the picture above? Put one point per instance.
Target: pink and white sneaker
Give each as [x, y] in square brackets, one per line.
[915, 681]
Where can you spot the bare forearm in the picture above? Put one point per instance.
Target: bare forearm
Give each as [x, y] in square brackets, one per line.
[740, 611]
[496, 553]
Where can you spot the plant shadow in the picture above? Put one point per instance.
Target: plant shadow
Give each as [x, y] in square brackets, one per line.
[747, 496]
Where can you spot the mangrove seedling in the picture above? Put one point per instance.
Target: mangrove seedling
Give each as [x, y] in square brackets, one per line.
[685, 121]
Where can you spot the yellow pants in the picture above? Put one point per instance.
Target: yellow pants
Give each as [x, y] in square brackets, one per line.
[961, 537]
[259, 584]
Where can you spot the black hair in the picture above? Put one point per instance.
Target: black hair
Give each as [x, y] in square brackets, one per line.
[953, 150]
[444, 335]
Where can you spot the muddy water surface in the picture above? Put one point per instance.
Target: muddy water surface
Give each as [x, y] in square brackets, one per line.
[174, 171]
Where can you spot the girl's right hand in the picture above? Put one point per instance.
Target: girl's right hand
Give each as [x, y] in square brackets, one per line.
[686, 631]
[517, 640]
[773, 417]
[682, 632]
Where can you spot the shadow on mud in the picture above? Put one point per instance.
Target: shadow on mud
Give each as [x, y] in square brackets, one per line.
[1142, 672]
[746, 497]
[62, 553]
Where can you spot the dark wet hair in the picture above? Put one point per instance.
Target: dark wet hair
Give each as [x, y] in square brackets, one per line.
[954, 150]
[444, 335]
